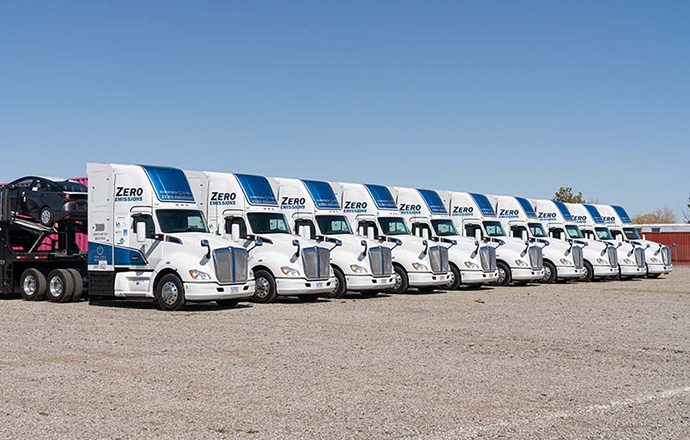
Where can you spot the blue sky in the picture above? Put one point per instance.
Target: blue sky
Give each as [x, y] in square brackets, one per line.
[505, 97]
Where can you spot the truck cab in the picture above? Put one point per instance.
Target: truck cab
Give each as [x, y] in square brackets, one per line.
[148, 238]
[631, 258]
[373, 213]
[471, 263]
[244, 207]
[657, 256]
[359, 264]
[562, 259]
[517, 259]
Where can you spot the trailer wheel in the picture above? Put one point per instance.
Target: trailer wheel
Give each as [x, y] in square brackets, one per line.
[550, 273]
[265, 290]
[78, 284]
[46, 216]
[401, 281]
[60, 286]
[227, 303]
[169, 293]
[504, 275]
[32, 285]
[340, 288]
[589, 272]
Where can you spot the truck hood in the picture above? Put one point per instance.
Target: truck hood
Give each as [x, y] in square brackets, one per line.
[215, 241]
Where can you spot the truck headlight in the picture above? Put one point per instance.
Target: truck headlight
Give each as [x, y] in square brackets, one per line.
[566, 262]
[654, 260]
[628, 261]
[357, 268]
[199, 275]
[471, 265]
[419, 266]
[521, 263]
[288, 271]
[602, 261]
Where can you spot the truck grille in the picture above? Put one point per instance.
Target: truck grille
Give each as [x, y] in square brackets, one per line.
[231, 265]
[639, 257]
[317, 263]
[613, 256]
[487, 255]
[578, 259]
[381, 261]
[439, 259]
[536, 258]
[666, 255]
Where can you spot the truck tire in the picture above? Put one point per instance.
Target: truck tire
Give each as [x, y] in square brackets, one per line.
[60, 286]
[309, 297]
[550, 273]
[32, 285]
[455, 280]
[265, 290]
[228, 303]
[589, 272]
[401, 281]
[46, 217]
[340, 285]
[504, 275]
[78, 284]
[169, 293]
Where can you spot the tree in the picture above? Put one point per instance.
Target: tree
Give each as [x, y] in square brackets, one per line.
[661, 215]
[686, 213]
[565, 195]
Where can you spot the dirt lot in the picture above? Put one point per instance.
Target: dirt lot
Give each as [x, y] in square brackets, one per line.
[597, 360]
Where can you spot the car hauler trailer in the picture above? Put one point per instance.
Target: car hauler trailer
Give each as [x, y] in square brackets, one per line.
[244, 207]
[562, 259]
[600, 259]
[359, 264]
[657, 256]
[373, 213]
[427, 217]
[631, 258]
[518, 260]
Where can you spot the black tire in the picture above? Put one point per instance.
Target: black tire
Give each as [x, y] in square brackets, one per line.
[340, 285]
[589, 272]
[46, 217]
[504, 275]
[369, 293]
[60, 286]
[309, 297]
[456, 281]
[267, 292]
[32, 285]
[401, 281]
[169, 293]
[228, 303]
[550, 273]
[78, 284]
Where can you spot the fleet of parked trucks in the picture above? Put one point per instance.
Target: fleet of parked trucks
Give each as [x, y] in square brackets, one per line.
[175, 236]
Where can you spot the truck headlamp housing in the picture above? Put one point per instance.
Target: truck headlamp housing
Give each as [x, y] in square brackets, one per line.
[521, 263]
[199, 275]
[601, 261]
[628, 261]
[566, 262]
[471, 265]
[290, 272]
[357, 268]
[419, 266]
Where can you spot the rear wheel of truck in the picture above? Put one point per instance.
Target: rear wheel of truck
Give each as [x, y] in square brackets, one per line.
[340, 285]
[169, 293]
[78, 284]
[549, 273]
[60, 286]
[504, 275]
[454, 278]
[589, 272]
[265, 290]
[32, 285]
[401, 282]
[308, 298]
[228, 303]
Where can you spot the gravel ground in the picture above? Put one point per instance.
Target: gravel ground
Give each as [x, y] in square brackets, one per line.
[573, 361]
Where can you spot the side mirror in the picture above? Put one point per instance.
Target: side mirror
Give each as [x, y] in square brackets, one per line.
[303, 231]
[204, 243]
[235, 231]
[524, 235]
[296, 244]
[366, 246]
[426, 245]
[644, 236]
[425, 233]
[141, 232]
[478, 234]
[370, 233]
[258, 241]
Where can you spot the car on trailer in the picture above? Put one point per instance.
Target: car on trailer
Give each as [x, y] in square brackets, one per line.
[47, 200]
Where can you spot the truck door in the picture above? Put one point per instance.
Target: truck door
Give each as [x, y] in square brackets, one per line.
[151, 249]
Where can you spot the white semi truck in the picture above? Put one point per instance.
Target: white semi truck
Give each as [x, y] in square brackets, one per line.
[563, 259]
[518, 260]
[471, 263]
[359, 264]
[631, 258]
[244, 207]
[373, 213]
[657, 256]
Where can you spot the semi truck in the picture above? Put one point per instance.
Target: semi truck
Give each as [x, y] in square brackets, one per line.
[373, 213]
[146, 239]
[517, 259]
[657, 256]
[631, 258]
[562, 259]
[359, 264]
[244, 207]
[471, 262]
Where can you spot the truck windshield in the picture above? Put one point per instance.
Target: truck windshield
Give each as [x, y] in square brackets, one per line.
[333, 225]
[393, 226]
[574, 231]
[180, 220]
[494, 229]
[537, 230]
[444, 228]
[604, 233]
[631, 233]
[268, 223]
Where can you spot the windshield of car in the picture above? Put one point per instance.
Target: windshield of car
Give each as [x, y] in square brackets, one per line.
[393, 226]
[268, 223]
[494, 229]
[631, 233]
[71, 186]
[181, 220]
[574, 231]
[444, 228]
[537, 230]
[604, 233]
[333, 225]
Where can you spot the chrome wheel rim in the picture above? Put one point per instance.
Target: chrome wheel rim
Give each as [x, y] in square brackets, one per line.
[336, 285]
[45, 216]
[398, 281]
[262, 288]
[501, 275]
[452, 278]
[547, 273]
[56, 287]
[29, 285]
[169, 293]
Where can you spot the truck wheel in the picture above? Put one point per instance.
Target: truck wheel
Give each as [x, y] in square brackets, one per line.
[504, 275]
[46, 216]
[265, 290]
[228, 303]
[369, 293]
[32, 285]
[550, 273]
[78, 284]
[455, 279]
[340, 285]
[401, 282]
[308, 298]
[60, 286]
[589, 272]
[169, 293]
